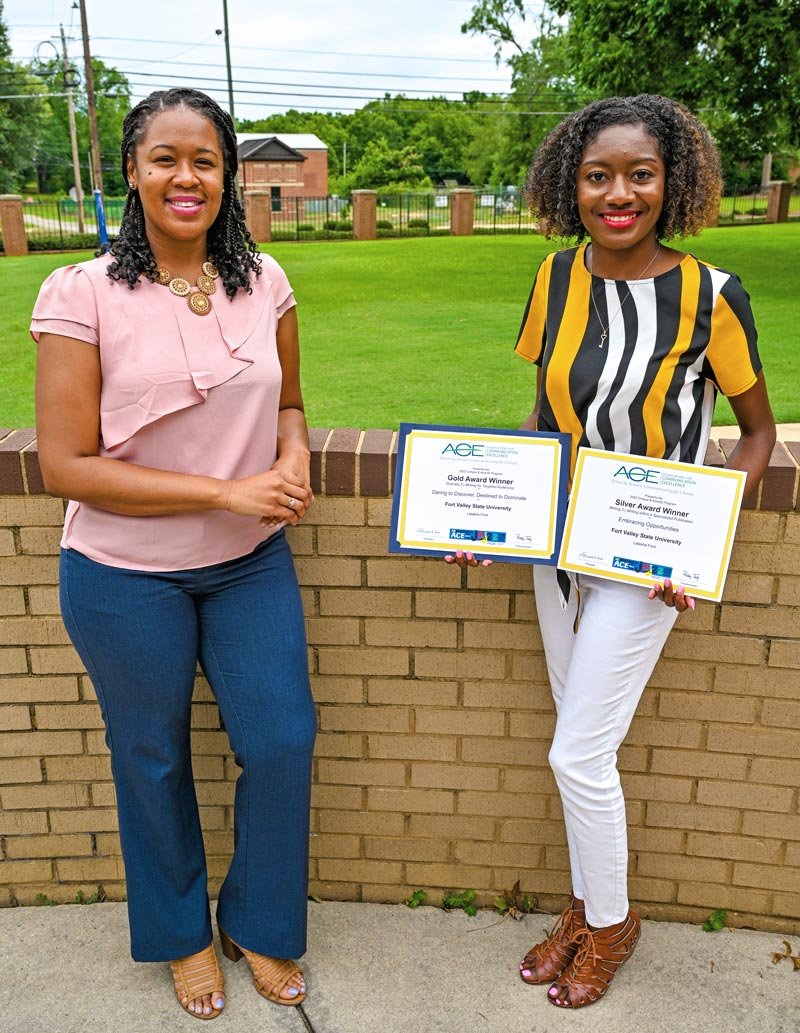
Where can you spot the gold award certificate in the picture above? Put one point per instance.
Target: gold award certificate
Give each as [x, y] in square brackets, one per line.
[643, 520]
[499, 494]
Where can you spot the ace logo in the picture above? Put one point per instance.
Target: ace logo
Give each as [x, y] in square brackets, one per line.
[637, 474]
[463, 449]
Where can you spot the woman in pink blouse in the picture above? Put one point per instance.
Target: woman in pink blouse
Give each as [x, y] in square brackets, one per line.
[169, 412]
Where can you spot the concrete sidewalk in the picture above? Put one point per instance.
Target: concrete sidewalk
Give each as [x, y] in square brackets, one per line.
[375, 968]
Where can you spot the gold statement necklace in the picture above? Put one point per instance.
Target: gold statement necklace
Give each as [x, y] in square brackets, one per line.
[606, 329]
[199, 301]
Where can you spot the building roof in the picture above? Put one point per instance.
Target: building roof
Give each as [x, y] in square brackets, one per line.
[298, 141]
[268, 148]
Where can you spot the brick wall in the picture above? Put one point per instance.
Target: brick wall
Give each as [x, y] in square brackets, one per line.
[435, 718]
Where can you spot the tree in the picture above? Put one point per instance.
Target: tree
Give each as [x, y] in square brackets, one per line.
[53, 153]
[383, 167]
[433, 133]
[735, 62]
[20, 117]
[541, 82]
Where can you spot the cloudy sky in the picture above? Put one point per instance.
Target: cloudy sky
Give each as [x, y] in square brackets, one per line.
[321, 56]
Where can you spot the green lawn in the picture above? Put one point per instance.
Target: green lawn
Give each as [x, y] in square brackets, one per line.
[423, 329]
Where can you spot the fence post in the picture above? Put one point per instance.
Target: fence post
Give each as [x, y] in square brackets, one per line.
[462, 212]
[365, 214]
[258, 215]
[778, 193]
[13, 225]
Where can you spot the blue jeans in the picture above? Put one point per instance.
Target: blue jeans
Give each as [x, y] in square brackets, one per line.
[140, 635]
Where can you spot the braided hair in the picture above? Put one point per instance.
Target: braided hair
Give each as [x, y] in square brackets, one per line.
[693, 181]
[230, 246]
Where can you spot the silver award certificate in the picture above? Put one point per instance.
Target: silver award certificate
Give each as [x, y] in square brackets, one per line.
[495, 493]
[643, 520]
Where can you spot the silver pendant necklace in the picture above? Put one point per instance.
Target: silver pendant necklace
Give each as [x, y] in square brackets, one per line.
[606, 329]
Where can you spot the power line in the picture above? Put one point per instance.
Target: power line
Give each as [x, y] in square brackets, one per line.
[303, 71]
[298, 89]
[326, 96]
[262, 82]
[406, 111]
[29, 96]
[289, 50]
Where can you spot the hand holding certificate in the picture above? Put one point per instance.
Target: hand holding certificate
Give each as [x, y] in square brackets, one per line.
[645, 520]
[500, 494]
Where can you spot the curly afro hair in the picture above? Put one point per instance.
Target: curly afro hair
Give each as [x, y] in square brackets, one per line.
[693, 178]
[230, 246]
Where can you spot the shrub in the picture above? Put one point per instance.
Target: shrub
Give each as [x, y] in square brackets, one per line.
[384, 224]
[63, 242]
[306, 227]
[418, 224]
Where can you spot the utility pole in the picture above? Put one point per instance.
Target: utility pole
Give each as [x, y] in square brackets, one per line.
[227, 59]
[91, 100]
[73, 135]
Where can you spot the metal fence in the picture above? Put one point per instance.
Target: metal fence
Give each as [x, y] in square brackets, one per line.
[57, 225]
[742, 205]
[312, 218]
[413, 215]
[427, 215]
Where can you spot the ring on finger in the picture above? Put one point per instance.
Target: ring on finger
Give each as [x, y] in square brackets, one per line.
[292, 503]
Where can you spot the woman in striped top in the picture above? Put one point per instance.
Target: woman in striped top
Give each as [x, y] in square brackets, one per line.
[632, 340]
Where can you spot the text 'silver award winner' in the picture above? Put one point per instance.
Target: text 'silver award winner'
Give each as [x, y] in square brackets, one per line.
[643, 520]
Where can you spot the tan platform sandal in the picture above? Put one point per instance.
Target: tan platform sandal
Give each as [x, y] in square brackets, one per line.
[270, 975]
[599, 956]
[196, 976]
[545, 961]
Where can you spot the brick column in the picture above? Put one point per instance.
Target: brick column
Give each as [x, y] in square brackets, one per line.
[12, 224]
[462, 212]
[778, 193]
[258, 215]
[365, 211]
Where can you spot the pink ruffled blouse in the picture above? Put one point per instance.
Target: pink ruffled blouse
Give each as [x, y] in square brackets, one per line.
[192, 394]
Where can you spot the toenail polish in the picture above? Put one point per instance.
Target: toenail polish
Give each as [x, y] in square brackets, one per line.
[525, 971]
[220, 1003]
[293, 991]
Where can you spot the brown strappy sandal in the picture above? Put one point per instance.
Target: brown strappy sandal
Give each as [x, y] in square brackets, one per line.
[270, 975]
[599, 954]
[546, 961]
[196, 976]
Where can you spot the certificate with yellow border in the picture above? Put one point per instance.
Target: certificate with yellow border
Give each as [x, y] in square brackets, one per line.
[643, 520]
[500, 494]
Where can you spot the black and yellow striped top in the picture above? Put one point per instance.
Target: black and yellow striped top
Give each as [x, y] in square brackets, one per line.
[650, 388]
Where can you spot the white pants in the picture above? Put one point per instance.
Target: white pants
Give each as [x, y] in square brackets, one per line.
[597, 676]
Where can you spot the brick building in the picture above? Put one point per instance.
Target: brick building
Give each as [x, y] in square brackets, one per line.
[288, 165]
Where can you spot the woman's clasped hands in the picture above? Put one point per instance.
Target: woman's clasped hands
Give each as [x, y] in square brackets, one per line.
[277, 496]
